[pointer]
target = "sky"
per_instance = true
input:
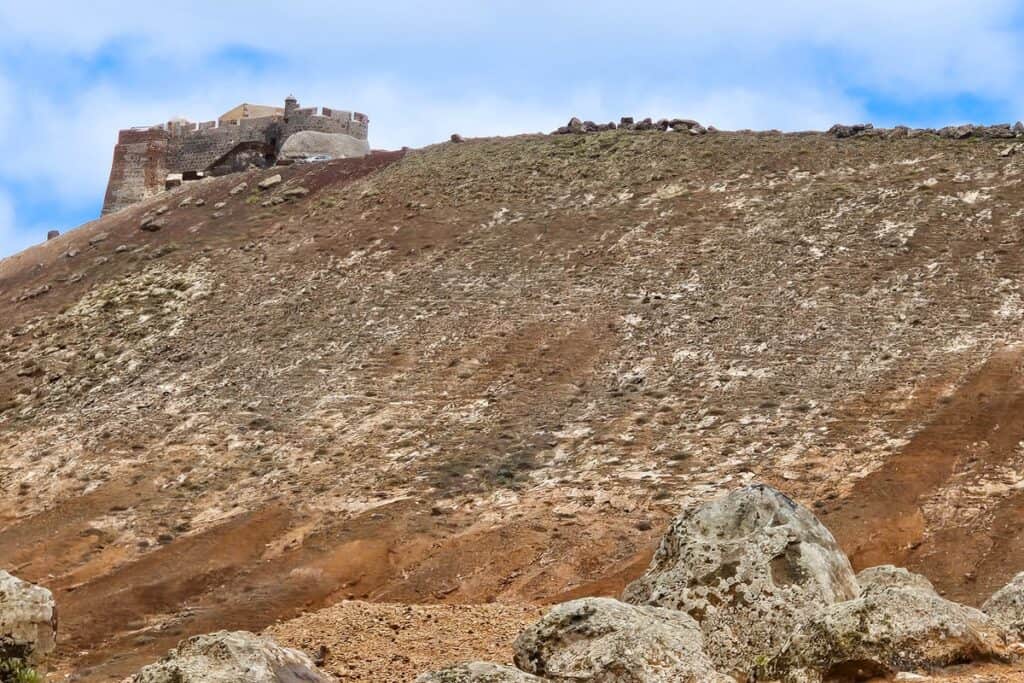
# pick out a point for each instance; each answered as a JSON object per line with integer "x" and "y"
{"x": 73, "y": 73}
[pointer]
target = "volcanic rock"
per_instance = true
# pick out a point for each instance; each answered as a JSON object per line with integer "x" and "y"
{"x": 268, "y": 183}
{"x": 748, "y": 567}
{"x": 1007, "y": 606}
{"x": 600, "y": 639}
{"x": 28, "y": 621}
{"x": 230, "y": 657}
{"x": 886, "y": 630}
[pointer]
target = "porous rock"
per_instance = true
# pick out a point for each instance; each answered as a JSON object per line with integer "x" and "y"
{"x": 28, "y": 621}
{"x": 889, "y": 576}
{"x": 603, "y": 640}
{"x": 1007, "y": 606}
{"x": 748, "y": 567}
{"x": 229, "y": 657}
{"x": 888, "y": 629}
{"x": 478, "y": 672}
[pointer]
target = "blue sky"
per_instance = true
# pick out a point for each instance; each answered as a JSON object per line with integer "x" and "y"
{"x": 73, "y": 73}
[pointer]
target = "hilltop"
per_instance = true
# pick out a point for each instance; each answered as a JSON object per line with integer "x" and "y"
{"x": 492, "y": 370}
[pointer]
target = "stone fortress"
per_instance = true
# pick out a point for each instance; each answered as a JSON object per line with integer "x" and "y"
{"x": 147, "y": 159}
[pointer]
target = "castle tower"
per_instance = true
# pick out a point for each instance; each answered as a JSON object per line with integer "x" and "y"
{"x": 290, "y": 105}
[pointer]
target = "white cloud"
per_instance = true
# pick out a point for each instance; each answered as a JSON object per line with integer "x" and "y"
{"x": 12, "y": 238}
{"x": 422, "y": 71}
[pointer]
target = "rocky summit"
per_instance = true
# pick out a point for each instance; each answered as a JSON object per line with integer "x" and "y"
{"x": 414, "y": 399}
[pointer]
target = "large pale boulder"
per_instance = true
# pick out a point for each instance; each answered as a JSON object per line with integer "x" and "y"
{"x": 478, "y": 672}
{"x": 1007, "y": 606}
{"x": 888, "y": 629}
{"x": 748, "y": 567}
{"x": 601, "y": 640}
{"x": 230, "y": 657}
{"x": 28, "y": 621}
{"x": 308, "y": 143}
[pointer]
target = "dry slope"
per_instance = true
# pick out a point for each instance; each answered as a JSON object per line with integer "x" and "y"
{"x": 487, "y": 370}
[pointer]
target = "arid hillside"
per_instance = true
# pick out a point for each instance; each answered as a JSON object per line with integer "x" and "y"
{"x": 492, "y": 370}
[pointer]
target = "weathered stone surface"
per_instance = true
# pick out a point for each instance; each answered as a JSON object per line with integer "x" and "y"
{"x": 230, "y": 657}
{"x": 267, "y": 183}
{"x": 295, "y": 192}
{"x": 842, "y": 131}
{"x": 886, "y": 630}
{"x": 1007, "y": 606}
{"x": 28, "y": 621}
{"x": 51, "y": 234}
{"x": 889, "y": 576}
{"x": 152, "y": 224}
{"x": 240, "y": 187}
{"x": 478, "y": 672}
{"x": 309, "y": 143}
{"x": 748, "y": 567}
{"x": 600, "y": 639}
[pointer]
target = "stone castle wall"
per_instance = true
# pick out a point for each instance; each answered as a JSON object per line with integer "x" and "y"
{"x": 144, "y": 157}
{"x": 138, "y": 169}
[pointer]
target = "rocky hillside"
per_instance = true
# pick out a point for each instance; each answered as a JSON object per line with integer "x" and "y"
{"x": 492, "y": 370}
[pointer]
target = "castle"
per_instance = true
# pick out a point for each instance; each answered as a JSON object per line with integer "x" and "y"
{"x": 244, "y": 136}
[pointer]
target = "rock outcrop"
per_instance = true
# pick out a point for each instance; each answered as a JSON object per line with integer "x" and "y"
{"x": 897, "y": 624}
{"x": 748, "y": 567}
{"x": 604, "y": 640}
{"x": 309, "y": 143}
{"x": 478, "y": 672}
{"x": 230, "y": 657}
{"x": 1007, "y": 606}
{"x": 28, "y": 621}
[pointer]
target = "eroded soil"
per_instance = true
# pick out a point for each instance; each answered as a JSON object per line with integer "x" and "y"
{"x": 494, "y": 370}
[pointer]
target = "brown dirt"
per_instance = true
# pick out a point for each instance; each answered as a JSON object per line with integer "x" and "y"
{"x": 389, "y": 643}
{"x": 494, "y": 370}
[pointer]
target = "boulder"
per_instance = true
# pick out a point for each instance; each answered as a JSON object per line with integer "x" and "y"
{"x": 575, "y": 125}
{"x": 28, "y": 621}
{"x": 229, "y": 657}
{"x": 52, "y": 234}
{"x": 888, "y": 629}
{"x": 478, "y": 672}
{"x": 748, "y": 567}
{"x": 1006, "y": 606}
{"x": 604, "y": 641}
{"x": 152, "y": 224}
{"x": 270, "y": 182}
{"x": 889, "y": 576}
{"x": 309, "y": 143}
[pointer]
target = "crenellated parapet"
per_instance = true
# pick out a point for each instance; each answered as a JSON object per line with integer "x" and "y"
{"x": 144, "y": 156}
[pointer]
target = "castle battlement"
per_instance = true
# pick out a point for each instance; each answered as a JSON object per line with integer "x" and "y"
{"x": 143, "y": 157}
